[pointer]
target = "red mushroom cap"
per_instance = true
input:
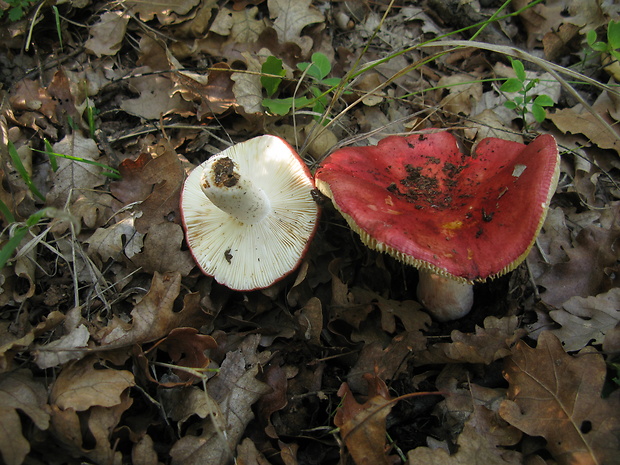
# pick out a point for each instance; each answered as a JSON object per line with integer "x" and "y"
{"x": 419, "y": 199}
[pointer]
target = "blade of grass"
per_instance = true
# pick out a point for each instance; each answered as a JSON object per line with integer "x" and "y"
{"x": 108, "y": 170}
{"x": 6, "y": 212}
{"x": 17, "y": 163}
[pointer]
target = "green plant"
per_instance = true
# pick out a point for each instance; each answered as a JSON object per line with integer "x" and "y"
{"x": 612, "y": 46}
{"x": 17, "y": 9}
{"x": 18, "y": 232}
{"x": 317, "y": 70}
{"x": 525, "y": 102}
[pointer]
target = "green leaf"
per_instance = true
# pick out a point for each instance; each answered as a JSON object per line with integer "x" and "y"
{"x": 331, "y": 82}
{"x": 539, "y": 113}
{"x": 319, "y": 68}
{"x": 511, "y": 85}
{"x": 272, "y": 65}
{"x": 591, "y": 37}
{"x": 613, "y": 35}
{"x": 519, "y": 70}
{"x": 599, "y": 46}
{"x": 282, "y": 106}
{"x": 16, "y": 13}
{"x": 544, "y": 101}
{"x": 510, "y": 105}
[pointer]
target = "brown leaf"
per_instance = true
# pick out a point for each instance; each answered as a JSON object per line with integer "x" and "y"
{"x": 30, "y": 96}
{"x": 557, "y": 396}
{"x": 235, "y": 389}
{"x": 153, "y": 317}
{"x": 291, "y": 17}
{"x": 81, "y": 385}
{"x": 586, "y": 320}
{"x": 18, "y": 391}
{"x": 107, "y": 34}
{"x": 362, "y": 426}
{"x": 474, "y": 448}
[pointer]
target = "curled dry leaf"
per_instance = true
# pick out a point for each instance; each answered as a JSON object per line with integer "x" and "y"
{"x": 557, "y": 396}
{"x": 107, "y": 35}
{"x": 19, "y": 391}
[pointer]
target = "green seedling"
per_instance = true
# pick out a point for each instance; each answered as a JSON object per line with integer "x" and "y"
{"x": 17, "y": 9}
{"x": 317, "y": 70}
{"x": 525, "y": 102}
{"x": 612, "y": 46}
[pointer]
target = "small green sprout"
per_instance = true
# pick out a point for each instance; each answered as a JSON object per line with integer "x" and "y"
{"x": 317, "y": 70}
{"x": 525, "y": 102}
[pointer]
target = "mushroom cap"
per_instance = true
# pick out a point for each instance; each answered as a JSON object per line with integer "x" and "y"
{"x": 419, "y": 199}
{"x": 245, "y": 256}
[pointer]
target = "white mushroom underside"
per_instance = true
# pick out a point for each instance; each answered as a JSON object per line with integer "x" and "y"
{"x": 252, "y": 256}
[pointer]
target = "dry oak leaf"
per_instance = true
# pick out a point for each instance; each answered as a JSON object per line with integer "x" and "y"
{"x": 156, "y": 98}
{"x": 557, "y": 396}
{"x": 291, "y": 16}
{"x": 246, "y": 28}
{"x": 62, "y": 350}
{"x": 154, "y": 317}
{"x": 19, "y": 391}
{"x": 235, "y": 389}
{"x": 107, "y": 35}
{"x": 28, "y": 95}
{"x": 167, "y": 12}
{"x": 74, "y": 175}
{"x": 363, "y": 426}
{"x": 114, "y": 240}
{"x": 473, "y": 449}
{"x": 80, "y": 386}
{"x": 587, "y": 319}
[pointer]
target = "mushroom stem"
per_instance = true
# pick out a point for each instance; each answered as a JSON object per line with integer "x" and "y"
{"x": 232, "y": 192}
{"x": 446, "y": 299}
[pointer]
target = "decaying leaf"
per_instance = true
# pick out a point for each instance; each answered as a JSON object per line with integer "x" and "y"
{"x": 235, "y": 389}
{"x": 20, "y": 392}
{"x": 153, "y": 317}
{"x": 586, "y": 320}
{"x": 557, "y": 396}
{"x": 291, "y": 16}
{"x": 107, "y": 35}
{"x": 362, "y": 426}
{"x": 473, "y": 448}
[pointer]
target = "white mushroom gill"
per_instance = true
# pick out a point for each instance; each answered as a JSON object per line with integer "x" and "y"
{"x": 232, "y": 192}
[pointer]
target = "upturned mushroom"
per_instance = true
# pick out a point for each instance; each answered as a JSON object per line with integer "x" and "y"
{"x": 249, "y": 214}
{"x": 459, "y": 218}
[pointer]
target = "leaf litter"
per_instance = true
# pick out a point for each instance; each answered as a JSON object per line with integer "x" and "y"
{"x": 115, "y": 349}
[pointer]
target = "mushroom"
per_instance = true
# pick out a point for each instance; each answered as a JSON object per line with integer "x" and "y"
{"x": 249, "y": 214}
{"x": 457, "y": 218}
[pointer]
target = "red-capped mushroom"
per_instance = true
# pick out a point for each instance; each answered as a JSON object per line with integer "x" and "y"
{"x": 249, "y": 214}
{"x": 458, "y": 218}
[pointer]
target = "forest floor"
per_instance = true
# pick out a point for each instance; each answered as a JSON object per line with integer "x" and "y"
{"x": 115, "y": 348}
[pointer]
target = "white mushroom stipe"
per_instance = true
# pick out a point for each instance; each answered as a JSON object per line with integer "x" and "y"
{"x": 444, "y": 298}
{"x": 232, "y": 192}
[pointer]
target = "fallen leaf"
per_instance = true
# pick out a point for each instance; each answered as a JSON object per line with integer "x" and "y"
{"x": 106, "y": 36}
{"x": 291, "y": 16}
{"x": 117, "y": 239}
{"x": 73, "y": 177}
{"x": 169, "y": 12}
{"x": 586, "y": 320}
{"x": 154, "y": 316}
{"x": 80, "y": 386}
{"x": 473, "y": 448}
{"x": 235, "y": 390}
{"x": 63, "y": 349}
{"x": 363, "y": 426}
{"x": 19, "y": 391}
{"x": 557, "y": 396}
